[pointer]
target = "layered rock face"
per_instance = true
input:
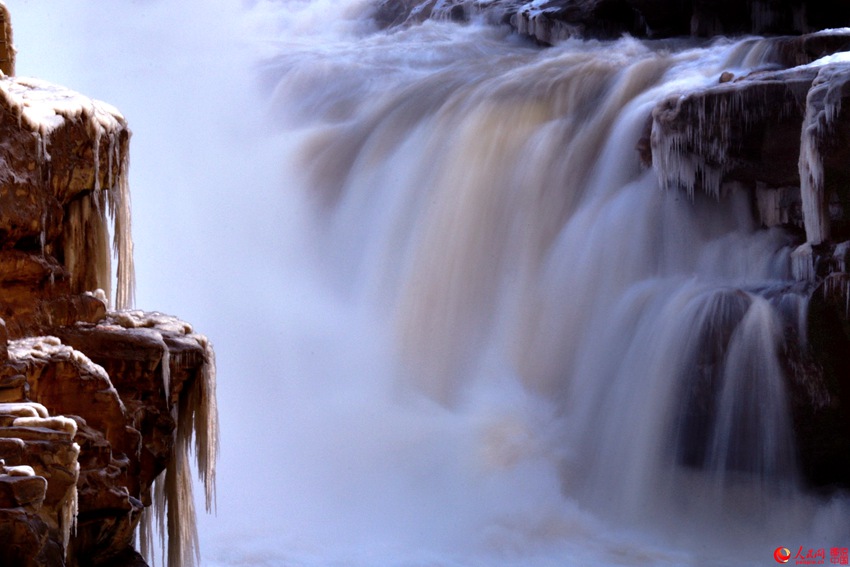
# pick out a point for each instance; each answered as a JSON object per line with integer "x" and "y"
{"x": 98, "y": 403}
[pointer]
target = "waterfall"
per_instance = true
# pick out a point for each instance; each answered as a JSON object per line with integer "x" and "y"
{"x": 457, "y": 321}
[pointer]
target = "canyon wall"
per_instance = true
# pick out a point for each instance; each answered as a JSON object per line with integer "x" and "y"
{"x": 99, "y": 403}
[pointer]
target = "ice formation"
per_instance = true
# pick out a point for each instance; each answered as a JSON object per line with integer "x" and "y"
{"x": 21, "y": 470}
{"x": 196, "y": 415}
{"x": 689, "y": 158}
{"x": 44, "y": 107}
{"x": 837, "y": 284}
{"x": 23, "y": 409}
{"x": 58, "y": 423}
{"x": 31, "y": 414}
{"x": 823, "y": 105}
{"x": 802, "y": 263}
{"x": 841, "y": 253}
{"x": 697, "y": 156}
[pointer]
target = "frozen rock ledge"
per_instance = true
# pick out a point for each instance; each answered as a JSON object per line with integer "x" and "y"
{"x": 101, "y": 406}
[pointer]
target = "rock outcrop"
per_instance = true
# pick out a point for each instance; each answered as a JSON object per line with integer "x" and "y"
{"x": 549, "y": 21}
{"x": 782, "y": 137}
{"x": 98, "y": 403}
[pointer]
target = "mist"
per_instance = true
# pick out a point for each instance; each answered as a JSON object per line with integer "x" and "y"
{"x": 278, "y": 195}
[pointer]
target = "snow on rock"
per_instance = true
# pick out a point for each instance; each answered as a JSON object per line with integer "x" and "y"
{"x": 153, "y": 352}
{"x": 43, "y": 107}
{"x": 196, "y": 415}
{"x": 95, "y": 405}
{"x": 25, "y": 409}
{"x": 22, "y": 470}
{"x": 31, "y": 448}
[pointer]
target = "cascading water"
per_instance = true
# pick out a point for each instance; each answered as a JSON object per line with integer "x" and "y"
{"x": 471, "y": 328}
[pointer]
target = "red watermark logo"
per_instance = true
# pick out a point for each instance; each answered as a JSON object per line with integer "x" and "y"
{"x": 837, "y": 556}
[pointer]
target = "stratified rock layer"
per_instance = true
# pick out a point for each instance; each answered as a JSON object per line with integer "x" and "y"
{"x": 98, "y": 404}
{"x": 63, "y": 172}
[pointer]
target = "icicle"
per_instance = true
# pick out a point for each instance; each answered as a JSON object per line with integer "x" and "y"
{"x": 146, "y": 531}
{"x": 205, "y": 424}
{"x": 841, "y": 253}
{"x": 174, "y": 511}
{"x": 802, "y": 263}
{"x": 696, "y": 156}
{"x": 183, "y": 544}
{"x": 823, "y": 105}
{"x": 42, "y": 235}
{"x": 195, "y": 414}
{"x": 44, "y": 140}
{"x": 773, "y": 205}
{"x": 119, "y": 207}
{"x": 815, "y": 209}
{"x": 70, "y": 508}
{"x": 86, "y": 245}
{"x": 838, "y": 286}
{"x": 165, "y": 363}
{"x": 110, "y": 161}
{"x": 96, "y": 157}
{"x": 160, "y": 503}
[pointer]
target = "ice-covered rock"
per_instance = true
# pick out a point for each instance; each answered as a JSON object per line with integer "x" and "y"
{"x": 63, "y": 190}
{"x": 95, "y": 405}
{"x": 781, "y": 135}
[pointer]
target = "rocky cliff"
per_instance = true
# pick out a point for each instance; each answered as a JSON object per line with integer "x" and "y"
{"x": 98, "y": 403}
{"x": 781, "y": 135}
{"x": 778, "y": 134}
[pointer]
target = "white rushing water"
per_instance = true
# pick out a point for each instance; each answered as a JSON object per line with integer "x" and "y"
{"x": 456, "y": 322}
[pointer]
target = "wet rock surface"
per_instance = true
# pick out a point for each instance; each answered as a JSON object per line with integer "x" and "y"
{"x": 781, "y": 138}
{"x": 550, "y": 21}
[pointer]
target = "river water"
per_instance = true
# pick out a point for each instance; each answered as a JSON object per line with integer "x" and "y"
{"x": 457, "y": 322}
